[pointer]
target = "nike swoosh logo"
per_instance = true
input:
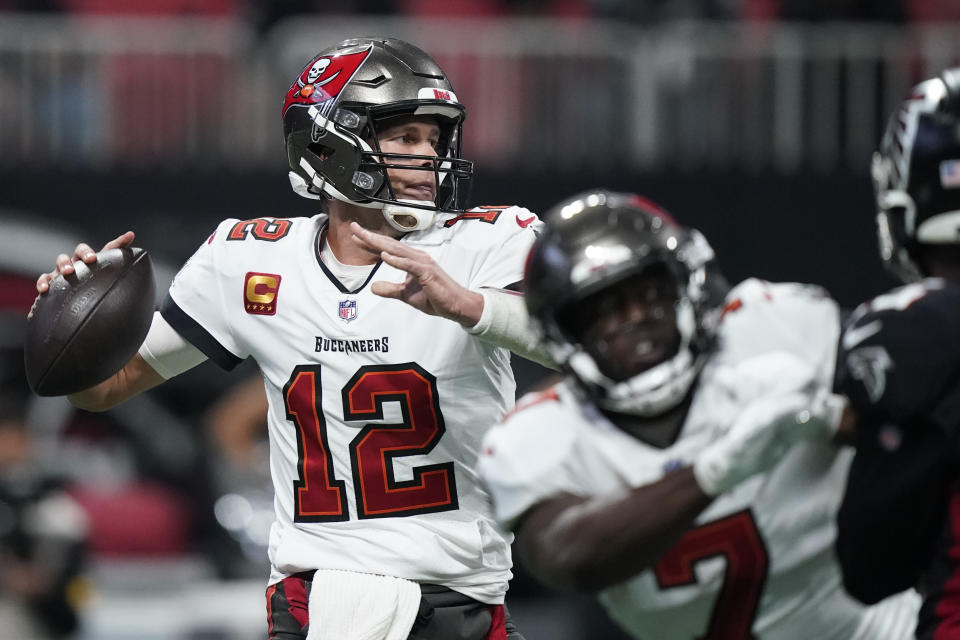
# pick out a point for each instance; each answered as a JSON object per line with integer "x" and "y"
{"x": 524, "y": 223}
{"x": 853, "y": 337}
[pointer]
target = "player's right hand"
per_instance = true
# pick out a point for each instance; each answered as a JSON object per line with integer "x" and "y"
{"x": 763, "y": 433}
{"x": 783, "y": 402}
{"x": 83, "y": 251}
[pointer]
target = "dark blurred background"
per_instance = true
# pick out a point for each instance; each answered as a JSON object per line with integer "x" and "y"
{"x": 753, "y": 120}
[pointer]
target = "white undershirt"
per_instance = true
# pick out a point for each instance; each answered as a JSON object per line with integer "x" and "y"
{"x": 351, "y": 276}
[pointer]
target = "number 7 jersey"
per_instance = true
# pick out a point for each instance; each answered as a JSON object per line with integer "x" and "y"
{"x": 376, "y": 410}
{"x": 758, "y": 564}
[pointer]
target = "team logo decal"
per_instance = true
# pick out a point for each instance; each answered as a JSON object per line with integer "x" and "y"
{"x": 260, "y": 291}
{"x": 870, "y": 365}
{"x": 348, "y": 310}
{"x": 323, "y": 79}
{"x": 317, "y": 69}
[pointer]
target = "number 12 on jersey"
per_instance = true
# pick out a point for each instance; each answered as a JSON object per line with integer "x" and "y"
{"x": 318, "y": 496}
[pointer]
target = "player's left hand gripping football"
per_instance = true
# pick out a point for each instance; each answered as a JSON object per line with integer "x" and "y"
{"x": 83, "y": 252}
{"x": 427, "y": 287}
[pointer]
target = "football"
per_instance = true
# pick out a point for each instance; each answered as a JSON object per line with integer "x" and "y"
{"x": 89, "y": 324}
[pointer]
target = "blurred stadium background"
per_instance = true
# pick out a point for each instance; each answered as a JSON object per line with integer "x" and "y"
{"x": 753, "y": 120}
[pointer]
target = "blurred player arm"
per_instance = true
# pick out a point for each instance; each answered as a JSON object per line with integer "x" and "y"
{"x": 588, "y": 543}
{"x": 585, "y": 544}
{"x": 238, "y": 419}
{"x": 893, "y": 509}
{"x": 847, "y": 428}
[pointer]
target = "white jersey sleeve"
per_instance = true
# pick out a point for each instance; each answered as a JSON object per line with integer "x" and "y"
{"x": 199, "y": 306}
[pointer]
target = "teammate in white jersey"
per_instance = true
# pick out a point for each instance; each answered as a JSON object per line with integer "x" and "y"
{"x": 685, "y": 468}
{"x": 381, "y": 327}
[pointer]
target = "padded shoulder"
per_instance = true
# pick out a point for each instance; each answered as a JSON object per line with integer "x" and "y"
{"x": 800, "y": 319}
{"x": 492, "y": 223}
{"x": 901, "y": 352}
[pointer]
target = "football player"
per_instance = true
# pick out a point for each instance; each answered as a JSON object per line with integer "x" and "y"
{"x": 685, "y": 469}
{"x": 899, "y": 523}
{"x": 381, "y": 327}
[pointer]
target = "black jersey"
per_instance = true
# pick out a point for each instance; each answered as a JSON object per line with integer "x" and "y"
{"x": 899, "y": 524}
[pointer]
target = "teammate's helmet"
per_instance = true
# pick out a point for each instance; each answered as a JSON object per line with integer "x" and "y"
{"x": 333, "y": 110}
{"x": 597, "y": 240}
{"x": 916, "y": 175}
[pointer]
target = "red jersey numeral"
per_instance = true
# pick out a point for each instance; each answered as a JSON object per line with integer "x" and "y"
{"x": 261, "y": 229}
{"x": 319, "y": 496}
{"x": 737, "y": 539}
{"x": 379, "y": 494}
{"x": 488, "y": 214}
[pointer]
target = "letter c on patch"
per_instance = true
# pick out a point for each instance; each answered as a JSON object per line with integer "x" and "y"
{"x": 260, "y": 291}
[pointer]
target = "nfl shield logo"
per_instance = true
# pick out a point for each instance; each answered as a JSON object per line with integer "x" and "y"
{"x": 348, "y": 310}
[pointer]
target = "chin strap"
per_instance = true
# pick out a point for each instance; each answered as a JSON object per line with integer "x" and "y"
{"x": 401, "y": 217}
{"x": 300, "y": 187}
{"x": 406, "y": 218}
{"x": 656, "y": 390}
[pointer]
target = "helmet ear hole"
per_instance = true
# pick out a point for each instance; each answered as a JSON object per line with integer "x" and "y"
{"x": 322, "y": 152}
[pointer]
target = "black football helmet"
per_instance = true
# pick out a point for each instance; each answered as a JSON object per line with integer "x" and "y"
{"x": 597, "y": 240}
{"x": 333, "y": 110}
{"x": 916, "y": 175}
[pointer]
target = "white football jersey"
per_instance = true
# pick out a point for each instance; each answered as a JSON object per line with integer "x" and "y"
{"x": 376, "y": 410}
{"x": 760, "y": 559}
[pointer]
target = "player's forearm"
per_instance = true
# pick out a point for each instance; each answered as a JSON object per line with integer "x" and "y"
{"x": 892, "y": 510}
{"x": 95, "y": 398}
{"x": 135, "y": 377}
{"x": 864, "y": 536}
{"x": 589, "y": 544}
{"x": 469, "y": 309}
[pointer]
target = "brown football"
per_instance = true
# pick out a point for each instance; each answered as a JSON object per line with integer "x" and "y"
{"x": 89, "y": 324}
